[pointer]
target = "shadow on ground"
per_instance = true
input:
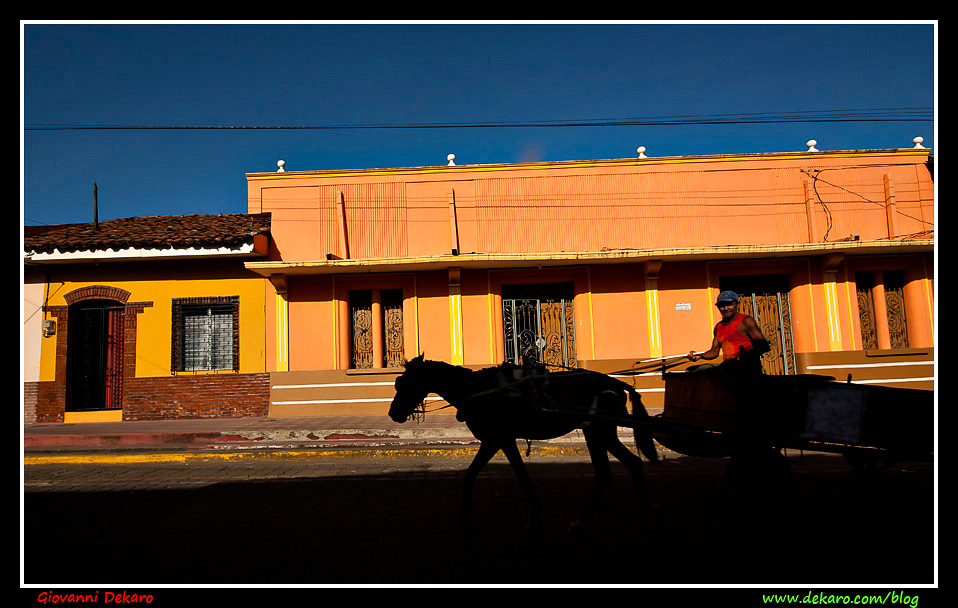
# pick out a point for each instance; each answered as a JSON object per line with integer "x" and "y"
{"x": 401, "y": 529}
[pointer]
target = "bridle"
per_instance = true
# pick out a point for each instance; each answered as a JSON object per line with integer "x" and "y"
{"x": 418, "y": 412}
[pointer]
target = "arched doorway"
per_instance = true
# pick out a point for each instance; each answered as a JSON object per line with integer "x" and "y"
{"x": 95, "y": 356}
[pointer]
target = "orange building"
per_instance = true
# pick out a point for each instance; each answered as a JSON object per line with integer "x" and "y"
{"x": 595, "y": 264}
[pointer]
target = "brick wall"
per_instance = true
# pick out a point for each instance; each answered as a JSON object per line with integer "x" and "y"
{"x": 169, "y": 398}
{"x": 50, "y": 399}
{"x": 30, "y": 390}
{"x": 196, "y": 396}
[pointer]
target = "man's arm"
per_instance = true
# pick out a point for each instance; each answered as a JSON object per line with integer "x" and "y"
{"x": 754, "y": 333}
{"x": 710, "y": 353}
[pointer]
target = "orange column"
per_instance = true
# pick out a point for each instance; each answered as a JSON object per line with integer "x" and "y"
{"x": 881, "y": 310}
{"x": 377, "y": 311}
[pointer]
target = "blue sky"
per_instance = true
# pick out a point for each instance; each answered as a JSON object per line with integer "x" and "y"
{"x": 365, "y": 75}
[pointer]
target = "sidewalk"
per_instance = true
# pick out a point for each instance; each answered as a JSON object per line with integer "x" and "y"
{"x": 244, "y": 433}
{"x": 260, "y": 433}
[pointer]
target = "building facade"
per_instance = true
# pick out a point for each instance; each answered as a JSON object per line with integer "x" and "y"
{"x": 595, "y": 264}
{"x": 145, "y": 318}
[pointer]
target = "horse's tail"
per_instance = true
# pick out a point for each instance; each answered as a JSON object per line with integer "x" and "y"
{"x": 642, "y": 430}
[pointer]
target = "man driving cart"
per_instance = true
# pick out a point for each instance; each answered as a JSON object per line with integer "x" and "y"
{"x": 737, "y": 337}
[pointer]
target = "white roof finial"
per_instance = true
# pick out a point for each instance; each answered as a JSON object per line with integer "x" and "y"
{"x": 811, "y": 145}
{"x": 452, "y": 159}
{"x": 917, "y": 141}
{"x": 282, "y": 166}
{"x": 641, "y": 151}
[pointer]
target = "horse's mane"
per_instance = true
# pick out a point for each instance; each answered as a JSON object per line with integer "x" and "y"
{"x": 437, "y": 367}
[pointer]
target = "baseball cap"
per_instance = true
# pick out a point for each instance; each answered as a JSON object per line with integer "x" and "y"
{"x": 727, "y": 296}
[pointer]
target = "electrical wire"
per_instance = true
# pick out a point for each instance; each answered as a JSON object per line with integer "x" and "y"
{"x": 816, "y": 178}
{"x": 820, "y": 116}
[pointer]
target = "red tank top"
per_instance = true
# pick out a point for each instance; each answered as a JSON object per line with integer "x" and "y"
{"x": 733, "y": 343}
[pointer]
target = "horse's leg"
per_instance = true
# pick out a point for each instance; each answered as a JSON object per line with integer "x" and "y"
{"x": 485, "y": 453}
{"x": 511, "y": 451}
{"x": 597, "y": 440}
{"x": 641, "y": 431}
{"x": 633, "y": 464}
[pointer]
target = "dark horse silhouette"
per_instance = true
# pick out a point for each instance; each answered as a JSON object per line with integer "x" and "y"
{"x": 499, "y": 409}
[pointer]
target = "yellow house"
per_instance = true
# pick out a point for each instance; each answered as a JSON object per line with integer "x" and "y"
{"x": 595, "y": 264}
{"x": 145, "y": 318}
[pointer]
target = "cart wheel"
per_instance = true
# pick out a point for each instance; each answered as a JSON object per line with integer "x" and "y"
{"x": 761, "y": 473}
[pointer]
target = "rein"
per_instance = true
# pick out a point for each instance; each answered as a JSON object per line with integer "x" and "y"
{"x": 651, "y": 365}
{"x": 419, "y": 412}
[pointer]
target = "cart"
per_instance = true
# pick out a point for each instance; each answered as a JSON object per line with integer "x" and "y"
{"x": 714, "y": 414}
{"x": 874, "y": 427}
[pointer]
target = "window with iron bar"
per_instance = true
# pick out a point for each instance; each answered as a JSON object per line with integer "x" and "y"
{"x": 206, "y": 334}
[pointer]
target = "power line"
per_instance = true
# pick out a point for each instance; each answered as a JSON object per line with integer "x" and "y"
{"x": 818, "y": 116}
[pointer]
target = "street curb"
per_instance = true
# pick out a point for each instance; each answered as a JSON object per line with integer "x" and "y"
{"x": 298, "y": 454}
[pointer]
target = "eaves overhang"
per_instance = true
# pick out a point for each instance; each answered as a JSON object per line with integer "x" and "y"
{"x": 491, "y": 261}
{"x": 257, "y": 247}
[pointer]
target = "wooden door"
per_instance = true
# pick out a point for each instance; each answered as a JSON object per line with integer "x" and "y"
{"x": 95, "y": 357}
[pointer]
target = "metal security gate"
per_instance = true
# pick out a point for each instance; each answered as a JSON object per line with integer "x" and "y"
{"x": 95, "y": 357}
{"x": 766, "y": 300}
{"x": 361, "y": 327}
{"x": 364, "y": 342}
{"x": 539, "y": 329}
{"x": 893, "y": 287}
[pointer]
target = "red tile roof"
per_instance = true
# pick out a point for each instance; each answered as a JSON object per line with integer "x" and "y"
{"x": 157, "y": 232}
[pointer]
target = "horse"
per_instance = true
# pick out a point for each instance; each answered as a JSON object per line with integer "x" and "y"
{"x": 498, "y": 409}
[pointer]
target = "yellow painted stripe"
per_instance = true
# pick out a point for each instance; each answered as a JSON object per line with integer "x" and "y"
{"x": 831, "y": 311}
{"x": 415, "y": 311}
{"x": 181, "y": 457}
{"x": 652, "y": 298}
{"x": 930, "y": 300}
{"x": 455, "y": 323}
{"x": 282, "y": 333}
{"x": 351, "y": 453}
{"x": 588, "y": 275}
{"x": 465, "y": 452}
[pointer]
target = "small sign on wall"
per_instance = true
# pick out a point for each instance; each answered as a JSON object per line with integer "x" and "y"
{"x": 683, "y": 306}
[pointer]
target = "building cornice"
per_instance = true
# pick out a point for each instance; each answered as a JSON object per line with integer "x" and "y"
{"x": 589, "y": 164}
{"x": 545, "y": 260}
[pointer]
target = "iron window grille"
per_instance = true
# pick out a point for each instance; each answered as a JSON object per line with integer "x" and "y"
{"x": 206, "y": 334}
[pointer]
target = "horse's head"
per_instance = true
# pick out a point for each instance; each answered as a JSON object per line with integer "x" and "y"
{"x": 410, "y": 392}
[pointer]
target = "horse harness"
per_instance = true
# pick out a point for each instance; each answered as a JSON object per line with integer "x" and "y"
{"x": 516, "y": 382}
{"x": 534, "y": 383}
